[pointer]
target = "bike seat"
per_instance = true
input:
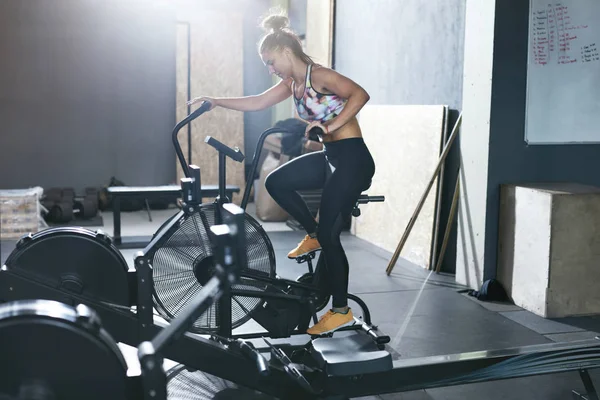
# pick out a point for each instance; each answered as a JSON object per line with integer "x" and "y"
{"x": 350, "y": 355}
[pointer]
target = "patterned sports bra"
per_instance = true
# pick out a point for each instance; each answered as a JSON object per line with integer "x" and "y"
{"x": 315, "y": 106}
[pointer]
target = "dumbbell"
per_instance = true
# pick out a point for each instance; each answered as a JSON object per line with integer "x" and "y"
{"x": 65, "y": 211}
{"x": 61, "y": 211}
{"x": 57, "y": 195}
{"x": 86, "y": 208}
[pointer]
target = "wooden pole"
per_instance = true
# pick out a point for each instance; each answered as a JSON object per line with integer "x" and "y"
{"x": 449, "y": 224}
{"x": 413, "y": 219}
{"x": 434, "y": 256}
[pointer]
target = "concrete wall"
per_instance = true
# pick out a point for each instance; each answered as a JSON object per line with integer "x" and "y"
{"x": 87, "y": 93}
{"x": 407, "y": 52}
{"x": 403, "y": 51}
{"x": 256, "y": 76}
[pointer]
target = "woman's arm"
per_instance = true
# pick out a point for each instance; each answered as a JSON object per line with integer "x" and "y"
{"x": 268, "y": 98}
{"x": 331, "y": 81}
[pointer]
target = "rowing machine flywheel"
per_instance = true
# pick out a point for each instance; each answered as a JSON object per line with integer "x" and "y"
{"x": 75, "y": 260}
{"x": 183, "y": 261}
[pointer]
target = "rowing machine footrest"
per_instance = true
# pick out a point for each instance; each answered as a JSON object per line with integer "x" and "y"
{"x": 350, "y": 355}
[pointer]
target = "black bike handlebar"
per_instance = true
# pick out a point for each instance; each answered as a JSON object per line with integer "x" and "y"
{"x": 201, "y": 110}
{"x": 259, "y": 146}
{"x": 235, "y": 154}
{"x": 205, "y": 106}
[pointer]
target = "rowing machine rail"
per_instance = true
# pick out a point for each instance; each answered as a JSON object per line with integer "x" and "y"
{"x": 406, "y": 375}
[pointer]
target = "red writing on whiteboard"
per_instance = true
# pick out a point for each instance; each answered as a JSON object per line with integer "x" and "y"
{"x": 553, "y": 34}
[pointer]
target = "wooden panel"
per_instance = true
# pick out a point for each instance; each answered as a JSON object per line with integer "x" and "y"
{"x": 216, "y": 70}
{"x": 319, "y": 30}
{"x": 405, "y": 142}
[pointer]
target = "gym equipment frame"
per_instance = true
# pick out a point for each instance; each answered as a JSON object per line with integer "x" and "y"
{"x": 215, "y": 358}
{"x": 336, "y": 369}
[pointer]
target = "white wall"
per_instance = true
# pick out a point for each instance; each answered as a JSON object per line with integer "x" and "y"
{"x": 474, "y": 141}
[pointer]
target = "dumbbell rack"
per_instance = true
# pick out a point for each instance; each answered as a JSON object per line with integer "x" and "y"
{"x": 63, "y": 205}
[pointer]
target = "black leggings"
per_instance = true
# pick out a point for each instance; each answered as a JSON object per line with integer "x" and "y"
{"x": 354, "y": 168}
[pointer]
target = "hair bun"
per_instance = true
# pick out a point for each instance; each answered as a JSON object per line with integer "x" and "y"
{"x": 275, "y": 23}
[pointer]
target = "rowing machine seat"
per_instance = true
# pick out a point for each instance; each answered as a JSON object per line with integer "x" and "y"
{"x": 354, "y": 354}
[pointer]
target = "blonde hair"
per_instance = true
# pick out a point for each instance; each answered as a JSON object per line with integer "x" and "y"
{"x": 278, "y": 35}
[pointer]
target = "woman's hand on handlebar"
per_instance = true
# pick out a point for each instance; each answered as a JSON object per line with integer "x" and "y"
{"x": 316, "y": 124}
{"x": 195, "y": 100}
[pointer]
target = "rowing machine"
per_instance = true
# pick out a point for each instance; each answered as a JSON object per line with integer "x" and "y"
{"x": 345, "y": 366}
{"x": 338, "y": 367}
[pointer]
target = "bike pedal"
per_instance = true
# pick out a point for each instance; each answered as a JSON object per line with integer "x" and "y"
{"x": 352, "y": 327}
{"x": 322, "y": 336}
{"x": 306, "y": 257}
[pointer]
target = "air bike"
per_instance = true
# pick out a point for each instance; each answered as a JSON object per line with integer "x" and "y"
{"x": 69, "y": 297}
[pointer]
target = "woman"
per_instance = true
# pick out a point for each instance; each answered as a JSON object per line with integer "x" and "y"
{"x": 344, "y": 169}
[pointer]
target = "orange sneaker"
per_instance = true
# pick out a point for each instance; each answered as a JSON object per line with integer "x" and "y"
{"x": 331, "y": 321}
{"x": 307, "y": 245}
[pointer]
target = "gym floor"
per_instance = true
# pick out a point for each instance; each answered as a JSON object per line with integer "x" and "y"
{"x": 424, "y": 314}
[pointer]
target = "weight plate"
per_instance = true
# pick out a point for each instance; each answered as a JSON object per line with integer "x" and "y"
{"x": 93, "y": 199}
{"x": 90, "y": 209}
{"x": 53, "y": 195}
{"x": 61, "y": 212}
{"x": 65, "y": 211}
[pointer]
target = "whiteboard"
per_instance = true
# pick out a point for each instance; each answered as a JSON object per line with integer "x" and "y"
{"x": 563, "y": 72}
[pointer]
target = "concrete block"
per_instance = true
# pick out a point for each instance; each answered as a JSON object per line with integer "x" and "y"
{"x": 549, "y": 248}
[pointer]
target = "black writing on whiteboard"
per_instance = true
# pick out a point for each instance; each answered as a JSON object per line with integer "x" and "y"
{"x": 590, "y": 53}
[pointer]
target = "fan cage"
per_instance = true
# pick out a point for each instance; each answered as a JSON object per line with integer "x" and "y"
{"x": 187, "y": 254}
{"x": 187, "y": 384}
